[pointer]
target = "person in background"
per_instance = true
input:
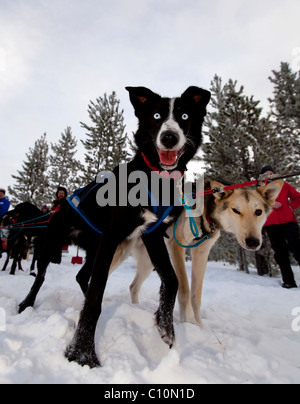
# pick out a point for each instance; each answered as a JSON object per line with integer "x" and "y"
{"x": 45, "y": 209}
{"x": 61, "y": 196}
{"x": 283, "y": 230}
{"x": 4, "y": 203}
{"x": 4, "y": 207}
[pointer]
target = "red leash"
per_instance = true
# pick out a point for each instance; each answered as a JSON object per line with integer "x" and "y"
{"x": 262, "y": 181}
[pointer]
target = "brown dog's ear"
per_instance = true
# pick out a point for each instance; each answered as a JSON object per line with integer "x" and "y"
{"x": 215, "y": 185}
{"x": 271, "y": 191}
{"x": 140, "y": 96}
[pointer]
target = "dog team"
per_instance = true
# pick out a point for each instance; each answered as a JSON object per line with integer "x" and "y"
{"x": 136, "y": 218}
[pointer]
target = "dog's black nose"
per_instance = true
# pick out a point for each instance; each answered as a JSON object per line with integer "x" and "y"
{"x": 169, "y": 139}
{"x": 252, "y": 243}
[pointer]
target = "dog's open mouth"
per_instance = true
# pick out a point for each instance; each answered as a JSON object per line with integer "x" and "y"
{"x": 169, "y": 158}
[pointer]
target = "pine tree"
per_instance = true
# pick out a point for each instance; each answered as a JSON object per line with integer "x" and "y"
{"x": 285, "y": 105}
{"x": 285, "y": 110}
{"x": 106, "y": 141}
{"x": 269, "y": 148}
{"x": 65, "y": 169}
{"x": 241, "y": 141}
{"x": 32, "y": 183}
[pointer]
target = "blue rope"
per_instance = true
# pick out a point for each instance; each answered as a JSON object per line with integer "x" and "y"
{"x": 187, "y": 206}
{"x": 203, "y": 239}
{"x": 19, "y": 227}
{"x": 28, "y": 227}
{"x": 193, "y": 226}
{"x": 10, "y": 226}
{"x": 2, "y": 236}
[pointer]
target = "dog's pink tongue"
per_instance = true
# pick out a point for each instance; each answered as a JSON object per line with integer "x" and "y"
{"x": 168, "y": 158}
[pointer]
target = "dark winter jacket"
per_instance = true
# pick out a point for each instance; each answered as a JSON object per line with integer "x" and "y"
{"x": 290, "y": 201}
{"x": 4, "y": 206}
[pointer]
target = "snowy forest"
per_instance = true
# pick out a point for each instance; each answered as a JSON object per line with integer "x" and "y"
{"x": 240, "y": 138}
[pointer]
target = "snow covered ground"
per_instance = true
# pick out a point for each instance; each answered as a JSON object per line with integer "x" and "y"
{"x": 248, "y": 335}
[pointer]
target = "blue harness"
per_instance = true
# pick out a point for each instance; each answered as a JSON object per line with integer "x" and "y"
{"x": 81, "y": 198}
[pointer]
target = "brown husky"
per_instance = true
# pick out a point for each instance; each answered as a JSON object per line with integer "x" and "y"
{"x": 242, "y": 212}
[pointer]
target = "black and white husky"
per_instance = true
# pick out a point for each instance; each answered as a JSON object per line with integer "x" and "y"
{"x": 168, "y": 137}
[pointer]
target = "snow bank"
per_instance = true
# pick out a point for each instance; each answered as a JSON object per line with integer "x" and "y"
{"x": 248, "y": 335}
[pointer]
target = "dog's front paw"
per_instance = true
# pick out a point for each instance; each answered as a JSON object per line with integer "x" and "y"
{"x": 82, "y": 356}
{"x": 166, "y": 330}
{"x": 25, "y": 304}
{"x": 167, "y": 337}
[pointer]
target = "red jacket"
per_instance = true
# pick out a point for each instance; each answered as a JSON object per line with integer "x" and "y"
{"x": 290, "y": 201}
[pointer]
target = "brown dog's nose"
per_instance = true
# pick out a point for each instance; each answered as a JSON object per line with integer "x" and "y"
{"x": 252, "y": 243}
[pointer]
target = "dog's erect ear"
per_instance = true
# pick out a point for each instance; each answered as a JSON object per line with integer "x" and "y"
{"x": 198, "y": 95}
{"x": 140, "y": 96}
{"x": 271, "y": 191}
{"x": 219, "y": 195}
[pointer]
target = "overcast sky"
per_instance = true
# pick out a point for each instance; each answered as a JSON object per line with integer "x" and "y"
{"x": 57, "y": 55}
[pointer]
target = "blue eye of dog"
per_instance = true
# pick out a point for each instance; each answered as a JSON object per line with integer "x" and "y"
{"x": 157, "y": 116}
{"x": 258, "y": 212}
{"x": 236, "y": 211}
{"x": 185, "y": 117}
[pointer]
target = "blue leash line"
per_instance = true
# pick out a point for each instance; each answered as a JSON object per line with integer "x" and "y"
{"x": 203, "y": 239}
{"x": 28, "y": 221}
{"x": 193, "y": 226}
{"x": 20, "y": 228}
{"x": 2, "y": 235}
{"x": 27, "y": 227}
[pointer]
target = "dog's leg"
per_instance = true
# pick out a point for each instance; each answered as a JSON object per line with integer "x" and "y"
{"x": 6, "y": 263}
{"x": 184, "y": 295}
{"x": 37, "y": 247}
{"x": 144, "y": 268}
{"x": 14, "y": 266}
{"x": 84, "y": 275}
{"x": 158, "y": 253}
{"x": 82, "y": 347}
{"x": 19, "y": 262}
{"x": 9, "y": 250}
{"x": 123, "y": 252}
{"x": 198, "y": 272}
{"x": 52, "y": 244}
{"x": 200, "y": 257}
{"x": 16, "y": 254}
{"x": 34, "y": 259}
{"x": 39, "y": 280}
